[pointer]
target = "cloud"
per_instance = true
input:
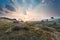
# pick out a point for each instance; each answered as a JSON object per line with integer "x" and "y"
{"x": 9, "y": 7}
{"x": 5, "y": 7}
{"x": 29, "y": 9}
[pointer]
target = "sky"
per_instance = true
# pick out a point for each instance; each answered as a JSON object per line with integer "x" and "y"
{"x": 33, "y": 10}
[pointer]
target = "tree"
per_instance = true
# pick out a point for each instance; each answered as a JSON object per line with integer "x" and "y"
{"x": 47, "y": 20}
{"x": 52, "y": 17}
